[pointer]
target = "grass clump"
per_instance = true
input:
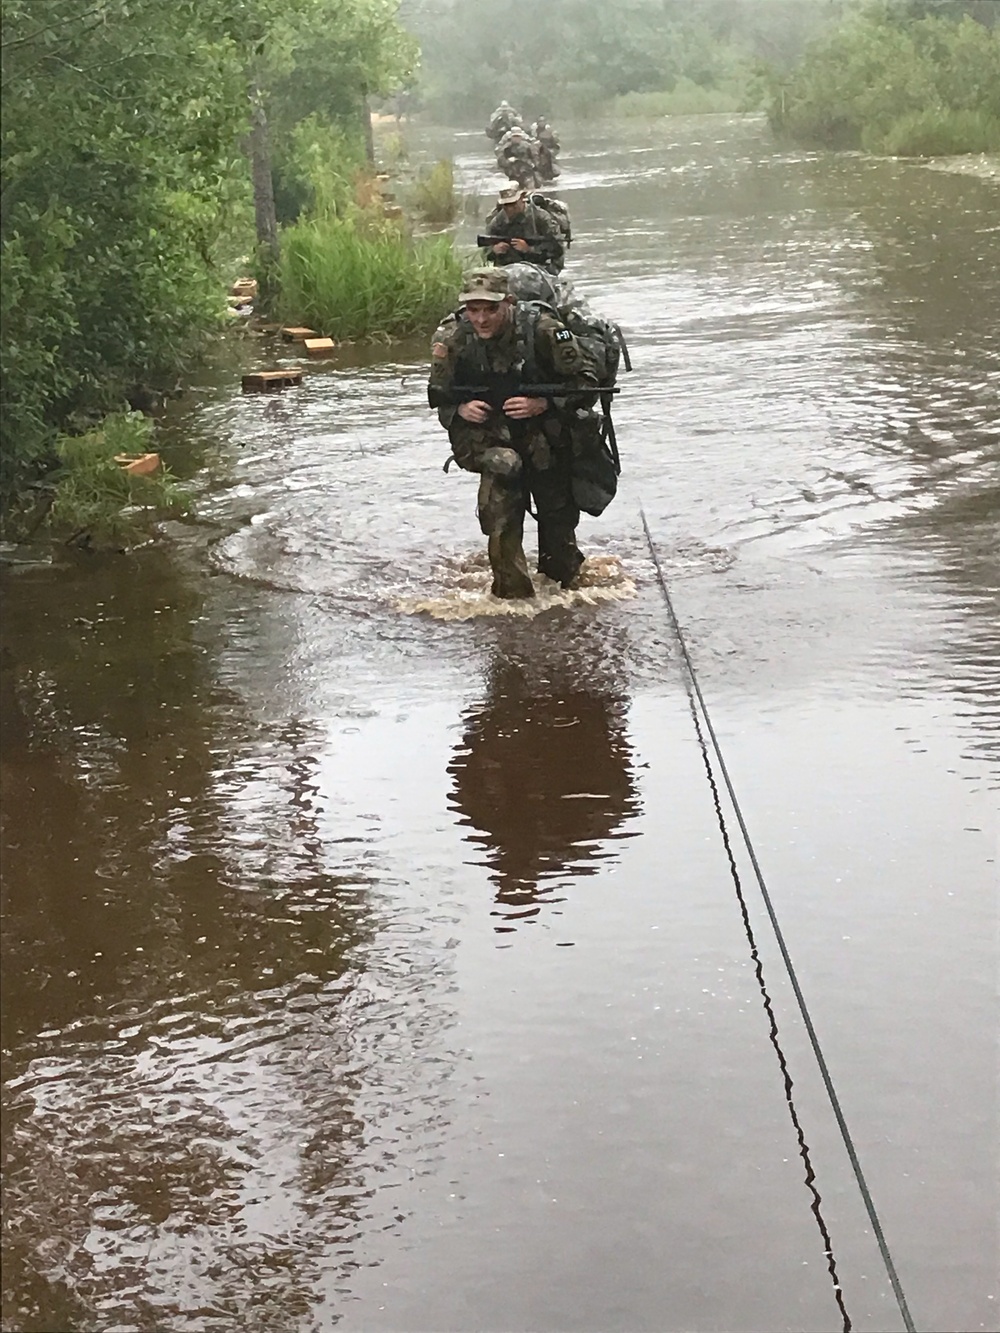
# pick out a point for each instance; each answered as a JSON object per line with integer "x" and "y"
{"x": 95, "y": 501}
{"x": 686, "y": 98}
{"x": 937, "y": 132}
{"x": 434, "y": 193}
{"x": 352, "y": 278}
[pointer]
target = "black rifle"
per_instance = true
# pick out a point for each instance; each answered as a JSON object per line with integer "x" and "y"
{"x": 487, "y": 242}
{"x": 496, "y": 395}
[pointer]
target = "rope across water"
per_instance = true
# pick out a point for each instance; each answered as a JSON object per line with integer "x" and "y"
{"x": 699, "y": 711}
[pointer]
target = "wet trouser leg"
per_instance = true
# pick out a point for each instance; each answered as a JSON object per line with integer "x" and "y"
{"x": 559, "y": 557}
{"x": 502, "y": 501}
{"x": 501, "y": 507}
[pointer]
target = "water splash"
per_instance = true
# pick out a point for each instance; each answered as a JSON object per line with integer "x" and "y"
{"x": 466, "y": 594}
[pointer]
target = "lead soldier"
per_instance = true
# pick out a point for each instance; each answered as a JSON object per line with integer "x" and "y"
{"x": 517, "y": 438}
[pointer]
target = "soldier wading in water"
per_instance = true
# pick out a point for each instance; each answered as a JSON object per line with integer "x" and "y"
{"x": 521, "y": 444}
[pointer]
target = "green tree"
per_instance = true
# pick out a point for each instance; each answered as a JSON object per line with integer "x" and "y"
{"x": 123, "y": 175}
{"x": 117, "y": 169}
{"x": 573, "y": 55}
{"x": 892, "y": 82}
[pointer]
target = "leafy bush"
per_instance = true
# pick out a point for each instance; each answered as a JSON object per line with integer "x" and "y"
{"x": 315, "y": 173}
{"x": 116, "y": 187}
{"x": 126, "y": 193}
{"x": 352, "y": 278}
{"x": 391, "y": 149}
{"x": 891, "y": 84}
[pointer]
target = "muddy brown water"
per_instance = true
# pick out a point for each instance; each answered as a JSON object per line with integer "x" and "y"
{"x": 372, "y": 961}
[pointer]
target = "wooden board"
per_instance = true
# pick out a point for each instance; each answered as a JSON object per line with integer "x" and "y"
{"x": 270, "y": 381}
{"x": 319, "y": 346}
{"x": 296, "y": 335}
{"x": 139, "y": 465}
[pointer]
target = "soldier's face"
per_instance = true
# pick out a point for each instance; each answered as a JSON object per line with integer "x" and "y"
{"x": 515, "y": 209}
{"x": 487, "y": 318}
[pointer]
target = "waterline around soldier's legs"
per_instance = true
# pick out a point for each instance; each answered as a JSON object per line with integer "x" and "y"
{"x": 501, "y": 508}
{"x": 559, "y": 557}
{"x": 507, "y": 560}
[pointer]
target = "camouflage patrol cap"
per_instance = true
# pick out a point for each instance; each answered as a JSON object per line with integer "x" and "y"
{"x": 484, "y": 284}
{"x": 511, "y": 194}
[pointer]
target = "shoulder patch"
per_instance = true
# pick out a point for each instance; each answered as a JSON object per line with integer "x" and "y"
{"x": 439, "y": 349}
{"x": 563, "y": 336}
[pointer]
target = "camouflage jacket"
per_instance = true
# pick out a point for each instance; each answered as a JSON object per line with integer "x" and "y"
{"x": 513, "y": 146}
{"x": 534, "y": 224}
{"x": 535, "y": 348}
{"x": 504, "y": 118}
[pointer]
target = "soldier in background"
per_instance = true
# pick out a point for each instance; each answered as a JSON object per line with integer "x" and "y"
{"x": 548, "y": 147}
{"x": 504, "y": 118}
{"x": 534, "y": 234}
{"x": 517, "y": 157}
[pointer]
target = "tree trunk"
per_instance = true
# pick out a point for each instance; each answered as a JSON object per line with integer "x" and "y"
{"x": 263, "y": 184}
{"x": 366, "y": 126}
{"x": 268, "y": 253}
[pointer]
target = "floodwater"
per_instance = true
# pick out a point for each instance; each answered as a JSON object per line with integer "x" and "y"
{"x": 373, "y": 958}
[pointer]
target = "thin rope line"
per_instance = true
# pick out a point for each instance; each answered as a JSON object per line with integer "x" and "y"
{"x": 831, "y": 1091}
{"x": 773, "y": 1035}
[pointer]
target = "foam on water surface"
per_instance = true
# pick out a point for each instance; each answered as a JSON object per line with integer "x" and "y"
{"x": 466, "y": 591}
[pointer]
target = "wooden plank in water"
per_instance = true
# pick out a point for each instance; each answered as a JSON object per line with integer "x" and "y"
{"x": 268, "y": 381}
{"x": 319, "y": 346}
{"x": 297, "y": 335}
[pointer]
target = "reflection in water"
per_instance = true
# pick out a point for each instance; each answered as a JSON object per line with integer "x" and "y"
{"x": 226, "y": 999}
{"x": 213, "y": 1021}
{"x": 543, "y": 775}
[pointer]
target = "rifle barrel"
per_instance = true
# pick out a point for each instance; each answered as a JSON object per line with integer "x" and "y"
{"x": 437, "y": 397}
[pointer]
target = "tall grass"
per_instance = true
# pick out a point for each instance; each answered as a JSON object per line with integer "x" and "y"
{"x": 936, "y": 132}
{"x": 348, "y": 279}
{"x": 686, "y": 98}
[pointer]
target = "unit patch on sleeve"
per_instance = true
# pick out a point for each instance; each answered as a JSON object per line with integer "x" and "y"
{"x": 563, "y": 336}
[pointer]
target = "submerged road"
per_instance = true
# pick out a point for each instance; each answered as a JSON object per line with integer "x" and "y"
{"x": 372, "y": 954}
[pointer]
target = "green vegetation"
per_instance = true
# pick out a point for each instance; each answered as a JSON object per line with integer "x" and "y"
{"x": 588, "y": 57}
{"x": 96, "y": 499}
{"x": 351, "y": 280}
{"x": 126, "y": 185}
{"x": 686, "y": 99}
{"x": 434, "y": 193}
{"x": 895, "y": 79}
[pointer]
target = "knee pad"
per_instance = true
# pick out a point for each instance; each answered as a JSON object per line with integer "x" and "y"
{"x": 505, "y": 463}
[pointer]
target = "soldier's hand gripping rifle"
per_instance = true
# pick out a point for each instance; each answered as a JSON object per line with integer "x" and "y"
{"x": 488, "y": 242}
{"x": 496, "y": 395}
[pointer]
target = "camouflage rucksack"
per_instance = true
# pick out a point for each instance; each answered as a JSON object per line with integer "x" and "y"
{"x": 596, "y": 464}
{"x": 556, "y": 209}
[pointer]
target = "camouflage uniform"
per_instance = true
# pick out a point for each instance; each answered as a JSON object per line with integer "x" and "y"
{"x": 548, "y": 147}
{"x": 518, "y": 459}
{"x": 517, "y": 157}
{"x": 536, "y": 225}
{"x": 504, "y": 118}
